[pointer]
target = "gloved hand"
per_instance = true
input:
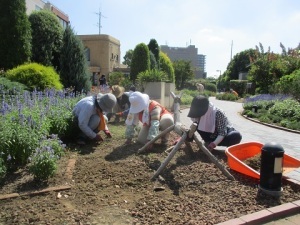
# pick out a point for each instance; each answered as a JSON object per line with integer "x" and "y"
{"x": 176, "y": 141}
{"x": 107, "y": 133}
{"x": 189, "y": 139}
{"x": 119, "y": 114}
{"x": 211, "y": 146}
{"x": 98, "y": 138}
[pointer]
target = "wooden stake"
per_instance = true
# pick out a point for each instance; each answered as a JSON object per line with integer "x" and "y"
{"x": 213, "y": 158}
{"x": 170, "y": 156}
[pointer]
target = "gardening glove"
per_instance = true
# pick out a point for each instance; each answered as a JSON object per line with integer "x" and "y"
{"x": 211, "y": 146}
{"x": 188, "y": 138}
{"x": 176, "y": 141}
{"x": 98, "y": 138}
{"x": 119, "y": 114}
{"x": 107, "y": 133}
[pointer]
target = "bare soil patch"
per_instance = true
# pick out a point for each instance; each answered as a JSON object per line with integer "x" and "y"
{"x": 111, "y": 185}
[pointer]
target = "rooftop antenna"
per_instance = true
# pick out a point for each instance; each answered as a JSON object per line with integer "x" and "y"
{"x": 99, "y": 23}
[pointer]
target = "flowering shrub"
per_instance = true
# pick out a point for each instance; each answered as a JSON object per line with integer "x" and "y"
{"x": 44, "y": 160}
{"x": 26, "y": 119}
{"x": 280, "y": 110}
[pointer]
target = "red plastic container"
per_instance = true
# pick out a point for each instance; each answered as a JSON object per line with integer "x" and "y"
{"x": 236, "y": 154}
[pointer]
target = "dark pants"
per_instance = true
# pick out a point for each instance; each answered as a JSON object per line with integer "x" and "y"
{"x": 233, "y": 137}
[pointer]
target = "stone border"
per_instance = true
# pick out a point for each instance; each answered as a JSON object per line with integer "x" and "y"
{"x": 68, "y": 174}
{"x": 266, "y": 215}
{"x": 270, "y": 125}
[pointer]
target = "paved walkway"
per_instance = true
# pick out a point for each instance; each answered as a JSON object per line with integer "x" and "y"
{"x": 257, "y": 132}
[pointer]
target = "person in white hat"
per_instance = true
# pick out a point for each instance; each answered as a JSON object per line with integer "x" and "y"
{"x": 151, "y": 114}
{"x": 90, "y": 114}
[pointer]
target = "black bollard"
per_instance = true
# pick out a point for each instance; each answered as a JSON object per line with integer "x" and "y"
{"x": 254, "y": 108}
{"x": 271, "y": 168}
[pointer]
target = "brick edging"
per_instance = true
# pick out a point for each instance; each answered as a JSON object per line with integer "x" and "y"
{"x": 266, "y": 215}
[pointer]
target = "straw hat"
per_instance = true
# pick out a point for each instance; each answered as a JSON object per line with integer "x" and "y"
{"x": 199, "y": 106}
{"x": 117, "y": 90}
{"x": 106, "y": 101}
{"x": 138, "y": 102}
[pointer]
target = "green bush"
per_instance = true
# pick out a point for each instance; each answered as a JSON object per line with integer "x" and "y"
{"x": 35, "y": 76}
{"x": 43, "y": 164}
{"x": 274, "y": 109}
{"x": 227, "y": 97}
{"x": 210, "y": 87}
{"x": 2, "y": 168}
{"x": 116, "y": 78}
{"x": 287, "y": 109}
{"x": 10, "y": 87}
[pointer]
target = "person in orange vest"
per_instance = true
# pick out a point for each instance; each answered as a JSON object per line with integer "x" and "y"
{"x": 234, "y": 92}
{"x": 153, "y": 117}
{"x": 90, "y": 117}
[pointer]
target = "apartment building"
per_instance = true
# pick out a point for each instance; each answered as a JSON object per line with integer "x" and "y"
{"x": 102, "y": 51}
{"x": 189, "y": 53}
{"x": 32, "y": 5}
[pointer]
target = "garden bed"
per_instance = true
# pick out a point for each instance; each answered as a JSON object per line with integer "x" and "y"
{"x": 110, "y": 184}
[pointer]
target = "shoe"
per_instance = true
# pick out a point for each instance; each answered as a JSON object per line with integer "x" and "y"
{"x": 81, "y": 141}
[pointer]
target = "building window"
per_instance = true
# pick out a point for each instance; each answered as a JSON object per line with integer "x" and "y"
{"x": 37, "y": 8}
{"x": 87, "y": 54}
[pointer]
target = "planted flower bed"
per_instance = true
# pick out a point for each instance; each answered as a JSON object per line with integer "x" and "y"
{"x": 32, "y": 125}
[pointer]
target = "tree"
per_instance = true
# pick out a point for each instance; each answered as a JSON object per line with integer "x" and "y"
{"x": 166, "y": 66}
{"x": 128, "y": 58}
{"x": 153, "y": 63}
{"x": 140, "y": 60}
{"x": 239, "y": 63}
{"x": 47, "y": 35}
{"x": 154, "y": 48}
{"x": 15, "y": 34}
{"x": 74, "y": 71}
{"x": 183, "y": 72}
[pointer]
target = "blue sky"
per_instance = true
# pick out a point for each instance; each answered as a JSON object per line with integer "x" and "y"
{"x": 215, "y": 27}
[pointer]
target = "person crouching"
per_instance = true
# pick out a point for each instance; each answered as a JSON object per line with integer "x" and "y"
{"x": 90, "y": 114}
{"x": 213, "y": 125}
{"x": 151, "y": 114}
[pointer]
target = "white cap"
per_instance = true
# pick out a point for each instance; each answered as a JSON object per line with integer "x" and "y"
{"x": 138, "y": 102}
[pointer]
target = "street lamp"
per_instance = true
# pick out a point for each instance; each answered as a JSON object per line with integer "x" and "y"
{"x": 218, "y": 81}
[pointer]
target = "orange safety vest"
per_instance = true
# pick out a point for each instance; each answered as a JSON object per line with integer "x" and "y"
{"x": 152, "y": 105}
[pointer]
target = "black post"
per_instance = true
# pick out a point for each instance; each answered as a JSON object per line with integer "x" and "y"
{"x": 271, "y": 168}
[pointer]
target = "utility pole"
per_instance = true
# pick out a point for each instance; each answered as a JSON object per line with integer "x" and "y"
{"x": 231, "y": 51}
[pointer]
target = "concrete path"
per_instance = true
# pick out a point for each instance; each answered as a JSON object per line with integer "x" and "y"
{"x": 252, "y": 131}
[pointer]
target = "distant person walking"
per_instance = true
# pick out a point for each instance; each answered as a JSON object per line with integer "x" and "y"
{"x": 200, "y": 87}
{"x": 102, "y": 83}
